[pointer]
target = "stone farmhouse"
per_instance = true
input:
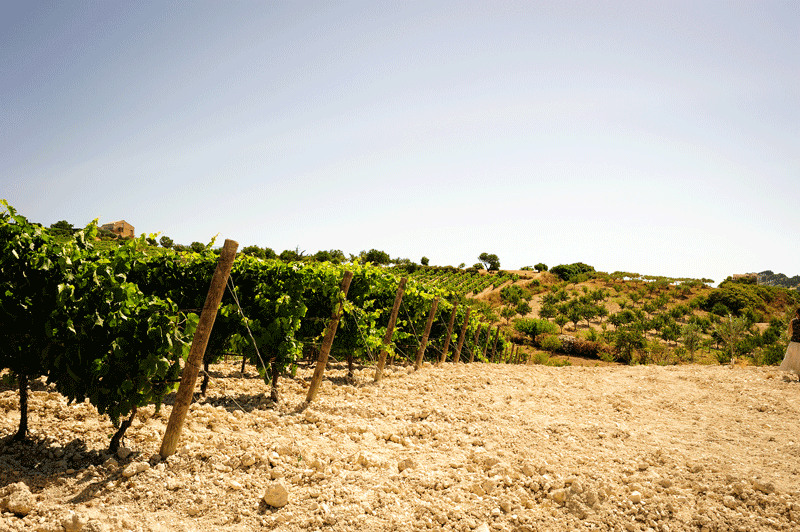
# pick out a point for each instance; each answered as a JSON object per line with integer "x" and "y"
{"x": 120, "y": 228}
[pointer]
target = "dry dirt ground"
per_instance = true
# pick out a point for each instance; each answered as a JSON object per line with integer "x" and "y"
{"x": 460, "y": 447}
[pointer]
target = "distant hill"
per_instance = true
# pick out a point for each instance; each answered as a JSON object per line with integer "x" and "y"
{"x": 778, "y": 279}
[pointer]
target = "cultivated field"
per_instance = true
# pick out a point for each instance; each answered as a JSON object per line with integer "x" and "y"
{"x": 459, "y": 447}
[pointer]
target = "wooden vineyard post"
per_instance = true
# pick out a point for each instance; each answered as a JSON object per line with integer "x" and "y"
{"x": 485, "y": 351}
{"x": 183, "y": 398}
{"x": 390, "y": 329}
{"x": 327, "y": 341}
{"x": 457, "y": 356}
{"x": 449, "y": 333}
{"x": 475, "y": 343}
{"x": 494, "y": 345}
{"x": 426, "y": 334}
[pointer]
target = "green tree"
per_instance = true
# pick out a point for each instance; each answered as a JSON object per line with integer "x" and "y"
{"x": 254, "y": 251}
{"x": 627, "y": 340}
{"x": 561, "y": 320}
{"x": 533, "y": 327}
{"x": 690, "y": 335}
{"x": 547, "y": 311}
{"x": 62, "y": 227}
{"x": 671, "y": 331}
{"x": 166, "y": 242}
{"x": 523, "y": 308}
{"x": 508, "y": 312}
{"x": 511, "y": 294}
{"x": 571, "y": 272}
{"x": 376, "y": 257}
{"x": 731, "y": 331}
{"x": 490, "y": 260}
{"x": 335, "y": 256}
{"x": 424, "y": 261}
{"x": 289, "y": 255}
{"x": 541, "y": 267}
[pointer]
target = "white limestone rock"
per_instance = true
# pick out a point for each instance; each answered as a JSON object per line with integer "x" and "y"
{"x": 74, "y": 522}
{"x": 135, "y": 468}
{"x": 559, "y": 496}
{"x": 406, "y": 463}
{"x": 276, "y": 495}
{"x": 17, "y": 499}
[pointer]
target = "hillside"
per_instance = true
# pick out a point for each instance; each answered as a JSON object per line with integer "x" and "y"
{"x": 778, "y": 279}
{"x": 665, "y": 320}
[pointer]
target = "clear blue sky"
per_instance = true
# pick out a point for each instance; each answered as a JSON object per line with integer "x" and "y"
{"x": 661, "y": 138}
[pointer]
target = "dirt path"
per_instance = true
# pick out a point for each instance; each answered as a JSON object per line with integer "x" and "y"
{"x": 467, "y": 447}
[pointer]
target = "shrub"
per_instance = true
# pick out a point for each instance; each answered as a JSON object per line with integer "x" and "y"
{"x": 533, "y": 327}
{"x": 586, "y": 349}
{"x": 736, "y": 297}
{"x": 770, "y": 355}
{"x": 541, "y": 358}
{"x": 550, "y": 343}
{"x": 572, "y": 272}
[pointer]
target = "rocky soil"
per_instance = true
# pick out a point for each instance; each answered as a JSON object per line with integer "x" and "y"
{"x": 459, "y": 447}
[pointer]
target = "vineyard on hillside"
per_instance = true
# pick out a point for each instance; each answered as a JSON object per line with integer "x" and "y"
{"x": 112, "y": 324}
{"x": 96, "y": 338}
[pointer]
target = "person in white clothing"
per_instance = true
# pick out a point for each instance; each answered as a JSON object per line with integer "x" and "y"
{"x": 791, "y": 362}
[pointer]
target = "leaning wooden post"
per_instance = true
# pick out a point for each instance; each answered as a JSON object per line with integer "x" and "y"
{"x": 183, "y": 398}
{"x": 390, "y": 329}
{"x": 424, "y": 343}
{"x": 475, "y": 343}
{"x": 485, "y": 351}
{"x": 327, "y": 341}
{"x": 494, "y": 345}
{"x": 457, "y": 356}
{"x": 449, "y": 334}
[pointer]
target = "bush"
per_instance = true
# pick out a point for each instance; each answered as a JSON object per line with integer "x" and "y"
{"x": 550, "y": 343}
{"x": 586, "y": 349}
{"x": 570, "y": 272}
{"x": 771, "y": 355}
{"x": 736, "y": 297}
{"x": 541, "y": 358}
{"x": 533, "y": 327}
